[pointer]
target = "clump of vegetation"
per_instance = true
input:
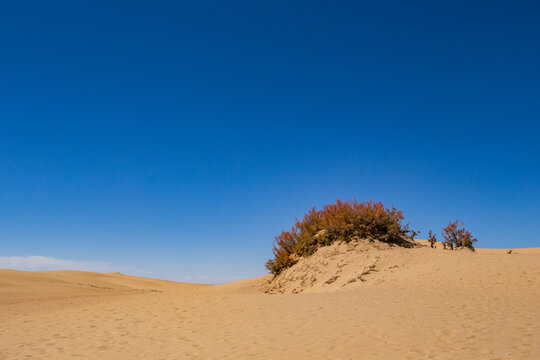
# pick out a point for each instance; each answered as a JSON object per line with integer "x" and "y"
{"x": 509, "y": 251}
{"x": 457, "y": 236}
{"x": 432, "y": 239}
{"x": 340, "y": 221}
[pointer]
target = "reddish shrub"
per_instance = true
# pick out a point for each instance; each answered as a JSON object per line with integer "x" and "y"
{"x": 340, "y": 221}
{"x": 457, "y": 236}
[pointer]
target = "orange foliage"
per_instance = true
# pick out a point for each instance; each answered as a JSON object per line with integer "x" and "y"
{"x": 340, "y": 221}
{"x": 457, "y": 236}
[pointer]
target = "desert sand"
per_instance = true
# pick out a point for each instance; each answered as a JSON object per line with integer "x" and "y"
{"x": 349, "y": 302}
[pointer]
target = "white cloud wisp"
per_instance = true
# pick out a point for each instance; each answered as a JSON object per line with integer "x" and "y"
{"x": 42, "y": 263}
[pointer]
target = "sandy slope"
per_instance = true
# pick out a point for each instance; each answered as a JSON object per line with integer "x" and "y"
{"x": 434, "y": 305}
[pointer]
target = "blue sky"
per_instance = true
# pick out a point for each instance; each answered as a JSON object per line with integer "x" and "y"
{"x": 176, "y": 139}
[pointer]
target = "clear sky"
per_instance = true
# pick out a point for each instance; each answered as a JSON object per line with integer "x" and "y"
{"x": 176, "y": 139}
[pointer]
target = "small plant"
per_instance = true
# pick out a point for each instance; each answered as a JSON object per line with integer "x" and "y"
{"x": 457, "y": 236}
{"x": 509, "y": 251}
{"x": 340, "y": 221}
{"x": 432, "y": 239}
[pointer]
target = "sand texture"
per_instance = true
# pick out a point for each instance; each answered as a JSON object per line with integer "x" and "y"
{"x": 346, "y": 302}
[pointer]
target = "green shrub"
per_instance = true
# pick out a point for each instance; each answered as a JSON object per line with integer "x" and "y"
{"x": 340, "y": 221}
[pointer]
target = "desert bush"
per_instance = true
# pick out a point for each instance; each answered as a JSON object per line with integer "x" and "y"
{"x": 339, "y": 221}
{"x": 432, "y": 239}
{"x": 457, "y": 236}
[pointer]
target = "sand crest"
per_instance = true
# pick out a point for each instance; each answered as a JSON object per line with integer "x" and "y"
{"x": 416, "y": 303}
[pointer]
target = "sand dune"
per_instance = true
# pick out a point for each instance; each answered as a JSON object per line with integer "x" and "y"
{"x": 419, "y": 303}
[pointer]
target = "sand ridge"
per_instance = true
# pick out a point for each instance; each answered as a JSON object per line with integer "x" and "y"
{"x": 435, "y": 305}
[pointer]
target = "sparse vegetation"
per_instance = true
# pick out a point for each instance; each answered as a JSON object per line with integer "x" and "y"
{"x": 509, "y": 251}
{"x": 457, "y": 236}
{"x": 432, "y": 239}
{"x": 340, "y": 221}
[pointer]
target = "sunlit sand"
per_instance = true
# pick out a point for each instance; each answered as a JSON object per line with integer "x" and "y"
{"x": 419, "y": 303}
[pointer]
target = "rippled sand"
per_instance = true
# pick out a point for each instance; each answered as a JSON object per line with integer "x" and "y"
{"x": 436, "y": 305}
